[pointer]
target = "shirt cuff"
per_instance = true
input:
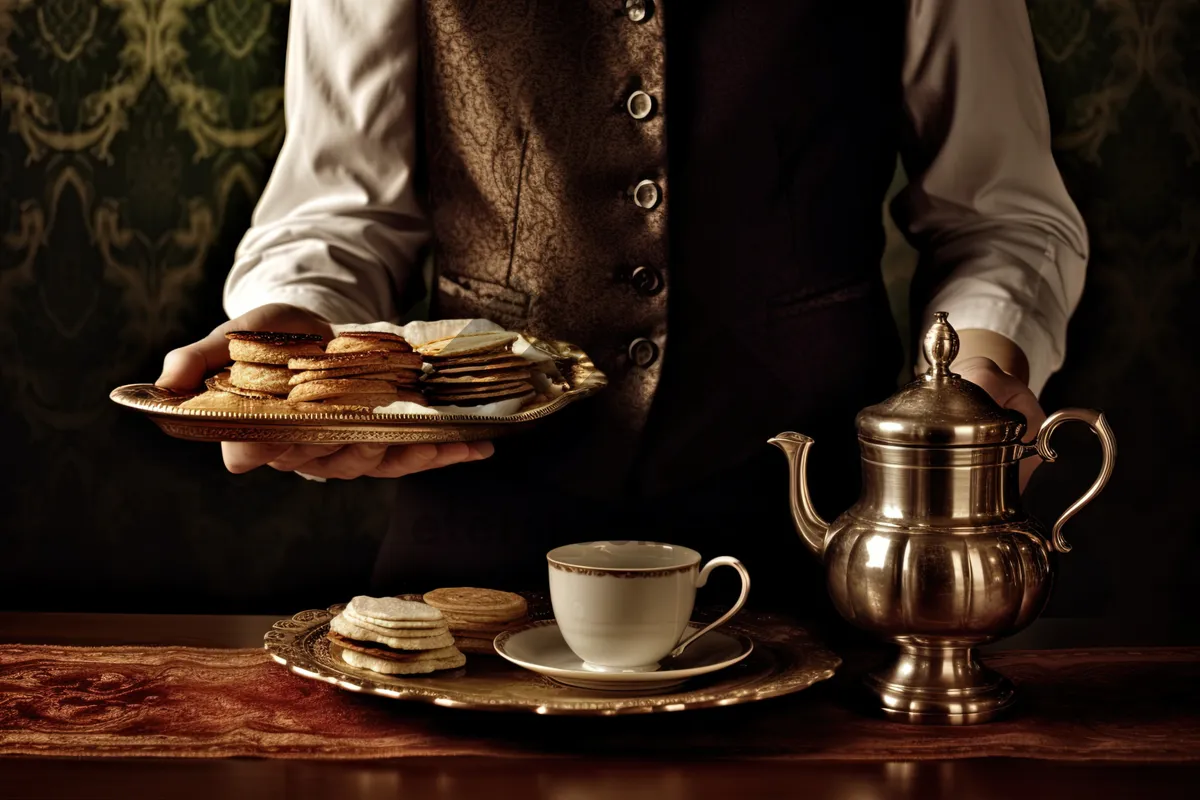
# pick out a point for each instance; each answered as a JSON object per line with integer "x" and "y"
{"x": 1009, "y": 320}
{"x": 327, "y": 304}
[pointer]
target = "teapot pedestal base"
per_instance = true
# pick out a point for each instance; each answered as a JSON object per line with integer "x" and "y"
{"x": 932, "y": 684}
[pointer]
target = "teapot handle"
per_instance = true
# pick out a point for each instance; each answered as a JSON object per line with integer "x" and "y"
{"x": 1108, "y": 443}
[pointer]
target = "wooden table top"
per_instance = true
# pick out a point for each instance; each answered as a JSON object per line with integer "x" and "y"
{"x": 579, "y": 778}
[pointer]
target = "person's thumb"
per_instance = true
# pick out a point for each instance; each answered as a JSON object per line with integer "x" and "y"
{"x": 185, "y": 368}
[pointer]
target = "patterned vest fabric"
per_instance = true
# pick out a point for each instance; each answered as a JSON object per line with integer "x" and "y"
{"x": 737, "y": 269}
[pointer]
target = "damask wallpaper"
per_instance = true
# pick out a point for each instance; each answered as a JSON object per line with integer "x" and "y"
{"x": 137, "y": 135}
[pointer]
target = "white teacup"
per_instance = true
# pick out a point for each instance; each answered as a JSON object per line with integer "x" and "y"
{"x": 623, "y": 606}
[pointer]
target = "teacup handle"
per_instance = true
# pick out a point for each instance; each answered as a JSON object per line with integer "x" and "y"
{"x": 701, "y": 579}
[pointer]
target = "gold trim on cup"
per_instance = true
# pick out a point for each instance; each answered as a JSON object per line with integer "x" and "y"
{"x": 644, "y": 572}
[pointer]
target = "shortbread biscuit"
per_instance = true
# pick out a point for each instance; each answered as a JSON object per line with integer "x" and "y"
{"x": 499, "y": 376}
{"x": 475, "y": 647}
{"x": 472, "y": 603}
{"x": 468, "y": 344}
{"x": 483, "y": 358}
{"x": 337, "y": 387}
{"x": 414, "y": 625}
{"x": 377, "y": 372}
{"x": 393, "y": 609}
{"x": 376, "y": 359}
{"x": 388, "y": 653}
{"x": 404, "y": 361}
{"x": 260, "y": 377}
{"x": 477, "y": 388}
{"x": 458, "y": 368}
{"x": 220, "y": 383}
{"x": 396, "y": 633}
{"x": 272, "y": 348}
{"x": 340, "y": 624}
{"x": 382, "y": 665}
{"x": 359, "y": 341}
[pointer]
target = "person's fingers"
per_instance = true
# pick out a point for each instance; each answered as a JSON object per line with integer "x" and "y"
{"x": 244, "y": 456}
{"x": 482, "y": 450}
{"x": 298, "y": 455}
{"x": 186, "y": 367}
{"x": 351, "y": 461}
{"x": 404, "y": 460}
{"x": 1009, "y": 392}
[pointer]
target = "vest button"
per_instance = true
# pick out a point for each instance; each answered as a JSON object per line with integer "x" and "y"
{"x": 640, "y": 105}
{"x": 643, "y": 353}
{"x": 638, "y": 10}
{"x": 646, "y": 281}
{"x": 646, "y": 194}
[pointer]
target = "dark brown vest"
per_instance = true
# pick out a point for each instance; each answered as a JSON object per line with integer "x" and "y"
{"x": 760, "y": 284}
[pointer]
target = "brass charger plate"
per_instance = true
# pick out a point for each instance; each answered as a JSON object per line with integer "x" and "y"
{"x": 252, "y": 424}
{"x": 785, "y": 660}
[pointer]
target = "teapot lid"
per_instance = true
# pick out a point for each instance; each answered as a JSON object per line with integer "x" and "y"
{"x": 940, "y": 408}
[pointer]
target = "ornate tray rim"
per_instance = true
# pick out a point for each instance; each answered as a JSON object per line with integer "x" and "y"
{"x": 818, "y": 664}
{"x": 161, "y": 405}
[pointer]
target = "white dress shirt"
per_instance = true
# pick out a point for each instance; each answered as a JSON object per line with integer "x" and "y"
{"x": 339, "y": 228}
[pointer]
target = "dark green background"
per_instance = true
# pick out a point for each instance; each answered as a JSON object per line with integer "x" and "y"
{"x": 129, "y": 172}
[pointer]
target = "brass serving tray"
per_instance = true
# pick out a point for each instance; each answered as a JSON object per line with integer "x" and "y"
{"x": 785, "y": 660}
{"x": 343, "y": 427}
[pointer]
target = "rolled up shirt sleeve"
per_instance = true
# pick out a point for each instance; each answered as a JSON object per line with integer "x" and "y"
{"x": 338, "y": 230}
{"x": 1003, "y": 247}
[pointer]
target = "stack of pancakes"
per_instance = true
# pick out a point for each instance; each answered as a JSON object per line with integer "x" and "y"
{"x": 260, "y": 363}
{"x": 359, "y": 368}
{"x": 475, "y": 369}
{"x": 394, "y": 637}
{"x": 476, "y": 616}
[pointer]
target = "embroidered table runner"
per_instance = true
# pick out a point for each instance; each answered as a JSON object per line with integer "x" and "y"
{"x": 1099, "y": 704}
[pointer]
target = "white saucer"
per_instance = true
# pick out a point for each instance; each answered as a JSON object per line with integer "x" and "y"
{"x": 539, "y": 646}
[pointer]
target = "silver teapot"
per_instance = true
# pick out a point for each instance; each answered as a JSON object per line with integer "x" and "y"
{"x": 937, "y": 555}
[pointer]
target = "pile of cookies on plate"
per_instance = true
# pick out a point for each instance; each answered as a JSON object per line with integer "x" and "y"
{"x": 475, "y": 369}
{"x": 398, "y": 636}
{"x": 358, "y": 369}
{"x": 394, "y": 637}
{"x": 368, "y": 369}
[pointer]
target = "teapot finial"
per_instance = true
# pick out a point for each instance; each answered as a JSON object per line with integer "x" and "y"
{"x": 940, "y": 347}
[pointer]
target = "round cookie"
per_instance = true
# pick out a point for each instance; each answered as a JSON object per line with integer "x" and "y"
{"x": 470, "y": 602}
{"x": 260, "y": 377}
{"x": 395, "y": 633}
{"x": 272, "y": 348}
{"x": 382, "y": 665}
{"x": 499, "y": 376}
{"x": 456, "y": 368}
{"x": 484, "y": 358}
{"x": 475, "y": 647}
{"x": 384, "y": 652}
{"x": 376, "y": 359}
{"x": 416, "y": 626}
{"x": 393, "y": 609}
{"x": 338, "y": 387}
{"x": 468, "y": 344}
{"x": 477, "y": 388}
{"x": 220, "y": 383}
{"x": 368, "y": 373}
{"x": 358, "y": 341}
{"x": 340, "y": 624}
{"x": 404, "y": 361}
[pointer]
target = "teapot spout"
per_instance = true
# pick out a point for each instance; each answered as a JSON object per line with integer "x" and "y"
{"x": 808, "y": 522}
